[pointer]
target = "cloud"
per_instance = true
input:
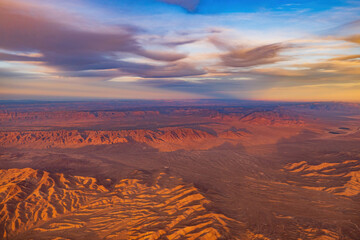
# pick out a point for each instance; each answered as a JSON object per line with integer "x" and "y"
{"x": 16, "y": 57}
{"x": 93, "y": 74}
{"x": 178, "y": 43}
{"x": 240, "y": 56}
{"x": 346, "y": 29}
{"x": 279, "y": 72}
{"x": 171, "y": 70}
{"x": 347, "y": 58}
{"x": 71, "y": 48}
{"x": 341, "y": 68}
{"x": 354, "y": 38}
{"x": 189, "y": 5}
{"x": 343, "y": 65}
{"x": 8, "y": 73}
{"x": 125, "y": 68}
{"x": 162, "y": 56}
{"x": 21, "y": 32}
{"x": 252, "y": 57}
{"x": 348, "y": 32}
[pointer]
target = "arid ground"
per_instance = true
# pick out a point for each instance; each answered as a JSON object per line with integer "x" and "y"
{"x": 179, "y": 170}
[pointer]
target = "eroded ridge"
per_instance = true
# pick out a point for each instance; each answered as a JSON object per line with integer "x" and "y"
{"x": 144, "y": 206}
{"x": 29, "y": 196}
{"x": 339, "y": 178}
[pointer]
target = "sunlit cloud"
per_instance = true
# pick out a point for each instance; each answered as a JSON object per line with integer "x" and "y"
{"x": 242, "y": 56}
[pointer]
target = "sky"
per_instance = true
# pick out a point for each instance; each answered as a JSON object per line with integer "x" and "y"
{"x": 279, "y": 50}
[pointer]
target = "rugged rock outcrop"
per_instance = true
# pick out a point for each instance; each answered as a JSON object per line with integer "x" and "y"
{"x": 166, "y": 139}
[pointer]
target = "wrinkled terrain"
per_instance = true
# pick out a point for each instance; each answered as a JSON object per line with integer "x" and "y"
{"x": 180, "y": 170}
{"x": 145, "y": 206}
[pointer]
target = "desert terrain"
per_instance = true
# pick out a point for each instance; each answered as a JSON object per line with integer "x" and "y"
{"x": 205, "y": 169}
